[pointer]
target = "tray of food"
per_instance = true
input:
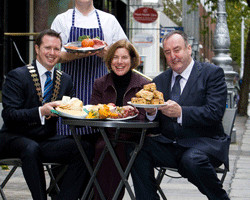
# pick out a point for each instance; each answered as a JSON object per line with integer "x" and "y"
{"x": 148, "y": 97}
{"x": 85, "y": 44}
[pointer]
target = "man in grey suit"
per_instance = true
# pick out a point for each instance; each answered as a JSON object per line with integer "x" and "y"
{"x": 191, "y": 136}
{"x": 29, "y": 130}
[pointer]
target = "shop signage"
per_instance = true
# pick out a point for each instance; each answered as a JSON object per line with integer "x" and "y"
{"x": 145, "y": 15}
{"x": 165, "y": 30}
{"x": 143, "y": 40}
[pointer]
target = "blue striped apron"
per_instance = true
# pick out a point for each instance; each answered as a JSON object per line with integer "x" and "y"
{"x": 83, "y": 71}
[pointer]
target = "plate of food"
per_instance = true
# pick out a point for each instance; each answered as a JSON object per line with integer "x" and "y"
{"x": 148, "y": 97}
{"x": 71, "y": 108}
{"x": 111, "y": 112}
{"x": 125, "y": 118}
{"x": 85, "y": 45}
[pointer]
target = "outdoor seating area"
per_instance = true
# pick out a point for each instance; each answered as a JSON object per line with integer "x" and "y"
{"x": 235, "y": 182}
{"x": 125, "y": 100}
{"x": 167, "y": 183}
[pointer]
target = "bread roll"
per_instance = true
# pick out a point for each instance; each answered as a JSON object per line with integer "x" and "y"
{"x": 72, "y": 104}
{"x": 76, "y": 105}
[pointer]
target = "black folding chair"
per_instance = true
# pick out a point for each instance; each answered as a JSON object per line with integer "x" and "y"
{"x": 14, "y": 163}
{"x": 228, "y": 122}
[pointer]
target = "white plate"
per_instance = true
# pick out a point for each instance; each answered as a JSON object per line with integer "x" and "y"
{"x": 62, "y": 114}
{"x": 80, "y": 50}
{"x": 145, "y": 105}
{"x": 130, "y": 117}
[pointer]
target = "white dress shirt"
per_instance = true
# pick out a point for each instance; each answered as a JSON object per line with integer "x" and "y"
{"x": 41, "y": 71}
{"x": 111, "y": 28}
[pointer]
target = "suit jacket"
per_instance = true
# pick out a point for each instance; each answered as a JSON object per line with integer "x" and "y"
{"x": 203, "y": 102}
{"x": 20, "y": 107}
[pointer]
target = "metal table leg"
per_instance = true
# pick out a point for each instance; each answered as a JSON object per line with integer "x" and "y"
{"x": 123, "y": 174}
{"x": 131, "y": 162}
{"x": 89, "y": 167}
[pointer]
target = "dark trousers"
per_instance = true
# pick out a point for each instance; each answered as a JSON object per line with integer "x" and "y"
{"x": 59, "y": 150}
{"x": 191, "y": 163}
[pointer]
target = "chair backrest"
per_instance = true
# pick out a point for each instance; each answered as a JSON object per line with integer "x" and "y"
{"x": 1, "y": 119}
{"x": 228, "y": 120}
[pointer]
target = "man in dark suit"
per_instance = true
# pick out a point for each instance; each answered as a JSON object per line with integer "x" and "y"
{"x": 191, "y": 136}
{"x": 29, "y": 130}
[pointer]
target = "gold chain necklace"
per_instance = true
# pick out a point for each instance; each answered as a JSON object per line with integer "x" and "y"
{"x": 37, "y": 83}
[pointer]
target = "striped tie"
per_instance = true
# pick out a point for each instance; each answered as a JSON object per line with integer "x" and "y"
{"x": 48, "y": 88}
{"x": 176, "y": 90}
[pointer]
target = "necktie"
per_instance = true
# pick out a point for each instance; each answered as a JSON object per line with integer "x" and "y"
{"x": 176, "y": 90}
{"x": 48, "y": 86}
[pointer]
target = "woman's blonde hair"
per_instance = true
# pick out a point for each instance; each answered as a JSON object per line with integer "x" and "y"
{"x": 134, "y": 55}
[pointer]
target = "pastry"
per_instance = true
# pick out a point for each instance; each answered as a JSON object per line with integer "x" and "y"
{"x": 157, "y": 101}
{"x": 147, "y": 95}
{"x": 137, "y": 100}
{"x": 138, "y": 94}
{"x": 150, "y": 87}
{"x": 158, "y": 95}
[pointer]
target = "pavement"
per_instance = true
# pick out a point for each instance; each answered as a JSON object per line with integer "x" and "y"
{"x": 236, "y": 183}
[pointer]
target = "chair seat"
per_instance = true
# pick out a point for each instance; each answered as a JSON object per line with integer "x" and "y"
{"x": 11, "y": 161}
{"x": 16, "y": 162}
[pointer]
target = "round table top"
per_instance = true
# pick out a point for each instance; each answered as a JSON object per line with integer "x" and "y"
{"x": 110, "y": 123}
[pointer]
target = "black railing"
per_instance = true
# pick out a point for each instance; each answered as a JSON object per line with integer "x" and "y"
{"x": 15, "y": 53}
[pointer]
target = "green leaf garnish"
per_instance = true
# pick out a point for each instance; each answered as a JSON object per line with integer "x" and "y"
{"x": 83, "y": 37}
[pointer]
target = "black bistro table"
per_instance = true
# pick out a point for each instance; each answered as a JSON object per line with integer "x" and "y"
{"x": 101, "y": 125}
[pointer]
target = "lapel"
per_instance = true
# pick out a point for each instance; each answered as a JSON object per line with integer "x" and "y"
{"x": 54, "y": 77}
{"x": 194, "y": 75}
{"x": 167, "y": 85}
{"x": 163, "y": 83}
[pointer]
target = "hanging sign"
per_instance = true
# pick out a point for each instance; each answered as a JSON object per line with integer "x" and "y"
{"x": 145, "y": 15}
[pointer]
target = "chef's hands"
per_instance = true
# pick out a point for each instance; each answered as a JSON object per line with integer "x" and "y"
{"x": 171, "y": 109}
{"x": 100, "y": 53}
{"x": 47, "y": 107}
{"x": 103, "y": 52}
{"x": 84, "y": 54}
